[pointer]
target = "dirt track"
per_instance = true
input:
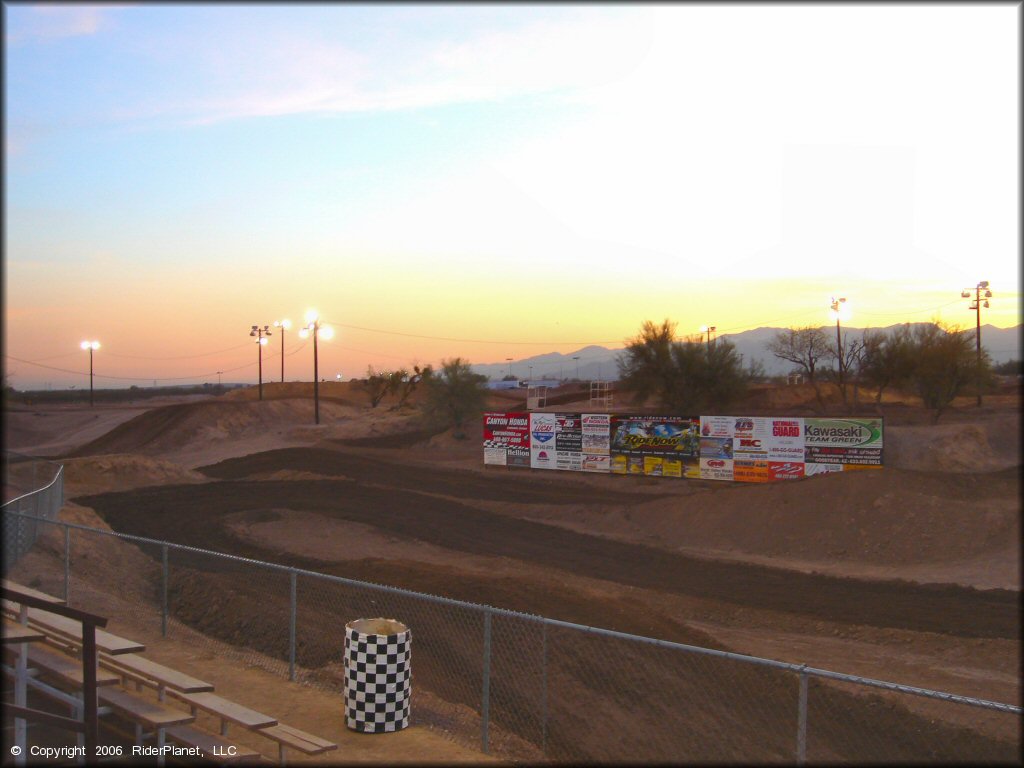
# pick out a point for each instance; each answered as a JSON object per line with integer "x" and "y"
{"x": 370, "y": 495}
{"x": 559, "y": 573}
{"x": 385, "y": 499}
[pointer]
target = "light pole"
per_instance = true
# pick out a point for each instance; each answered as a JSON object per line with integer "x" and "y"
{"x": 284, "y": 325}
{"x": 530, "y": 380}
{"x": 838, "y": 308}
{"x": 218, "y": 377}
{"x": 708, "y": 329}
{"x": 577, "y": 359}
{"x": 509, "y": 361}
{"x": 313, "y": 326}
{"x": 261, "y": 341}
{"x": 90, "y": 345}
{"x": 976, "y": 305}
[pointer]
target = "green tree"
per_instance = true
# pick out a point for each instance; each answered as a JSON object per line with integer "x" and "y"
{"x": 886, "y": 359}
{"x": 454, "y": 395}
{"x": 942, "y": 365}
{"x": 686, "y": 376}
{"x": 1009, "y": 368}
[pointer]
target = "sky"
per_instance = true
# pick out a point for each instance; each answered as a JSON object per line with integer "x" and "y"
{"x": 491, "y": 181}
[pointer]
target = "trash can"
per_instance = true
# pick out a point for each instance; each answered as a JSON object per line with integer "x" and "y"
{"x": 378, "y": 675}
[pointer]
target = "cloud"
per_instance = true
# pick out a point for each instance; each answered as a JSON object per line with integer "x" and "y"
{"x": 53, "y": 22}
{"x": 260, "y": 70}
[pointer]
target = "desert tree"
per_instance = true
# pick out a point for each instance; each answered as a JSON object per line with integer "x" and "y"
{"x": 405, "y": 383}
{"x": 645, "y": 365}
{"x": 806, "y": 348}
{"x": 942, "y": 364}
{"x": 454, "y": 395}
{"x": 687, "y": 376}
{"x": 885, "y": 360}
{"x": 378, "y": 385}
{"x": 847, "y": 353}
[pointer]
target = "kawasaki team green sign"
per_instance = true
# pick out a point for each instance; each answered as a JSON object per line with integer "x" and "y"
{"x": 843, "y": 441}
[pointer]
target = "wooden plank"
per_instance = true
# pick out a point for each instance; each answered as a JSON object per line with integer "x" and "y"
{"x": 296, "y": 739}
{"x": 13, "y": 632}
{"x": 226, "y": 710}
{"x": 72, "y": 630}
{"x": 212, "y": 747}
{"x": 67, "y": 669}
{"x": 152, "y": 714}
{"x": 156, "y": 675}
{"x": 8, "y": 584}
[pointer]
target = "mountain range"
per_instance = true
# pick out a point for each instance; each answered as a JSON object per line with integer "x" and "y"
{"x": 596, "y": 363}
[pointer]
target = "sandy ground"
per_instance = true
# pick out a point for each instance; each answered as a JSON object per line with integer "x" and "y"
{"x": 945, "y": 511}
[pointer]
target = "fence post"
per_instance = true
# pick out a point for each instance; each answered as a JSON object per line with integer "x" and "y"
{"x": 485, "y": 715}
{"x": 544, "y": 691}
{"x": 801, "y": 723}
{"x": 291, "y": 631}
{"x": 67, "y": 565}
{"x": 163, "y": 592}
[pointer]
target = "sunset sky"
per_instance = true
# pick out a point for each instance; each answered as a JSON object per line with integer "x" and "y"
{"x": 492, "y": 181}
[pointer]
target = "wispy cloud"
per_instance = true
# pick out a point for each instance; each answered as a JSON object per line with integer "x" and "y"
{"x": 259, "y": 71}
{"x": 52, "y": 22}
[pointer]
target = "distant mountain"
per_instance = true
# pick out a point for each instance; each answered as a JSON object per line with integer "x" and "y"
{"x": 597, "y": 363}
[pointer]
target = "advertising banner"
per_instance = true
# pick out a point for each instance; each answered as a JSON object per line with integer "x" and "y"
{"x": 638, "y": 440}
{"x": 596, "y": 442}
{"x": 752, "y": 449}
{"x": 843, "y": 441}
{"x": 820, "y": 469}
{"x": 785, "y": 470}
{"x": 507, "y": 439}
{"x": 716, "y": 469}
{"x": 569, "y": 442}
{"x": 751, "y": 468}
{"x": 785, "y": 440}
{"x": 542, "y": 440}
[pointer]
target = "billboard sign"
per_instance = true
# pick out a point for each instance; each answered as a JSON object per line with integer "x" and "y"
{"x": 843, "y": 441}
{"x": 507, "y": 439}
{"x": 653, "y": 445}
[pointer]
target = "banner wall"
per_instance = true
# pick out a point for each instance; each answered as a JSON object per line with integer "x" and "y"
{"x": 746, "y": 449}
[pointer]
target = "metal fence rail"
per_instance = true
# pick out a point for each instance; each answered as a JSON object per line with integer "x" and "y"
{"x": 521, "y": 686}
{"x": 37, "y": 488}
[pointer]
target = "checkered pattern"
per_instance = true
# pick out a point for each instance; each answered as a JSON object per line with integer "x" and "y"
{"x": 378, "y": 677}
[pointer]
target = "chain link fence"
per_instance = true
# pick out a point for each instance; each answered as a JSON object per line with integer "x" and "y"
{"x": 33, "y": 488}
{"x": 518, "y": 686}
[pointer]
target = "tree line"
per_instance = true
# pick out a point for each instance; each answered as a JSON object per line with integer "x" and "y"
{"x": 932, "y": 360}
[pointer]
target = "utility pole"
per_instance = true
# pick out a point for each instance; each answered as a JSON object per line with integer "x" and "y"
{"x": 976, "y": 306}
{"x": 90, "y": 345}
{"x": 261, "y": 341}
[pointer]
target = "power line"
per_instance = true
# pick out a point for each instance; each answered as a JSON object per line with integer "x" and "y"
{"x": 108, "y": 353}
{"x": 465, "y": 341}
{"x": 133, "y": 378}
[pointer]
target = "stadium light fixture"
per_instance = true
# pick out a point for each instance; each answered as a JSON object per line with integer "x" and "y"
{"x": 314, "y": 327}
{"x": 90, "y": 345}
{"x": 980, "y": 300}
{"x": 284, "y": 325}
{"x": 708, "y": 329}
{"x": 260, "y": 335}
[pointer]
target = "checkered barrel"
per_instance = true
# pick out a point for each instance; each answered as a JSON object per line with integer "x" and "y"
{"x": 378, "y": 675}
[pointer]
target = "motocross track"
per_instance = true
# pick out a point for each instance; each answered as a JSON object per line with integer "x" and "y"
{"x": 909, "y": 574}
